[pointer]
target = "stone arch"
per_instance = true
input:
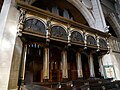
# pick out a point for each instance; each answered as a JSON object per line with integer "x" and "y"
{"x": 84, "y": 11}
{"x": 114, "y": 24}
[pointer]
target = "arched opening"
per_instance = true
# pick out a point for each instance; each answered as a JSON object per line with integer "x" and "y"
{"x": 103, "y": 43}
{"x": 58, "y": 32}
{"x": 34, "y": 64}
{"x": 55, "y": 65}
{"x": 72, "y": 65}
{"x": 57, "y": 7}
{"x": 85, "y": 66}
{"x": 96, "y": 65}
{"x": 91, "y": 40}
{"x": 76, "y": 37}
{"x": 34, "y": 25}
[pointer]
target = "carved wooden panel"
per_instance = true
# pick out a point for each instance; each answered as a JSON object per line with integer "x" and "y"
{"x": 102, "y": 43}
{"x": 34, "y": 25}
{"x": 91, "y": 40}
{"x": 76, "y": 37}
{"x": 59, "y": 32}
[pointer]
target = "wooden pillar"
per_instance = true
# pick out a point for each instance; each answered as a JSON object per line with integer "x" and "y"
{"x": 64, "y": 64}
{"x": 79, "y": 65}
{"x": 23, "y": 63}
{"x": 46, "y": 64}
{"x": 101, "y": 70}
{"x": 91, "y": 66}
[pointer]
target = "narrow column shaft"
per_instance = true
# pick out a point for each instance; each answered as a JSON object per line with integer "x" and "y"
{"x": 46, "y": 64}
{"x": 101, "y": 66}
{"x": 91, "y": 66}
{"x": 64, "y": 64}
{"x": 23, "y": 62}
{"x": 79, "y": 65}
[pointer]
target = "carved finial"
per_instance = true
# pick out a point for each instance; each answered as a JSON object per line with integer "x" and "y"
{"x": 106, "y": 29}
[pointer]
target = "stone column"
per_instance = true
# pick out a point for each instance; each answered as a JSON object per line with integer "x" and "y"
{"x": 64, "y": 64}
{"x": 23, "y": 62}
{"x": 79, "y": 65}
{"x": 46, "y": 64}
{"x": 91, "y": 66}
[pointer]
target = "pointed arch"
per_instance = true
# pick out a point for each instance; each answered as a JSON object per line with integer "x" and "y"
{"x": 111, "y": 18}
{"x": 85, "y": 12}
{"x": 82, "y": 9}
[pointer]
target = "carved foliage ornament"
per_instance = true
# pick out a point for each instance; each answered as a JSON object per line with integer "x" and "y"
{"x": 34, "y": 25}
{"x": 21, "y": 19}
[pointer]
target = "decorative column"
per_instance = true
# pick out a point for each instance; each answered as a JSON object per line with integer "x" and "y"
{"x": 79, "y": 65}
{"x": 64, "y": 64}
{"x": 46, "y": 64}
{"x": 101, "y": 70}
{"x": 91, "y": 66}
{"x": 23, "y": 63}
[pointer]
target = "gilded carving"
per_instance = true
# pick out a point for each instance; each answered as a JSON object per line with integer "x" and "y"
{"x": 21, "y": 19}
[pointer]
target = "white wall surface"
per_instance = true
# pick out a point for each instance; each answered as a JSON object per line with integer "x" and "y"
{"x": 8, "y": 22}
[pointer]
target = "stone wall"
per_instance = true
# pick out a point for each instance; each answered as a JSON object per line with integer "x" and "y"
{"x": 15, "y": 66}
{"x": 8, "y": 22}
